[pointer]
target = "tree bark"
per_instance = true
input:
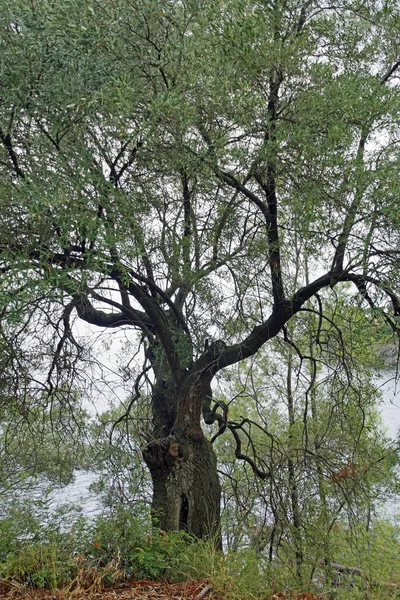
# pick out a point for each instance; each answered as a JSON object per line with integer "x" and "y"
{"x": 183, "y": 466}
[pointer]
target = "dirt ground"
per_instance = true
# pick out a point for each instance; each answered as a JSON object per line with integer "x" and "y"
{"x": 137, "y": 590}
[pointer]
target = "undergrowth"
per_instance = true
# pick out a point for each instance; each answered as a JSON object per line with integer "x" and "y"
{"x": 77, "y": 554}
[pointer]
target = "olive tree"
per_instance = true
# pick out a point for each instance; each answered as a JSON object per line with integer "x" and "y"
{"x": 163, "y": 164}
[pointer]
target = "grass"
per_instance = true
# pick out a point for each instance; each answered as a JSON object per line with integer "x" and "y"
{"x": 93, "y": 556}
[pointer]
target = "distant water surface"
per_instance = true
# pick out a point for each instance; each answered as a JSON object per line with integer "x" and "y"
{"x": 78, "y": 492}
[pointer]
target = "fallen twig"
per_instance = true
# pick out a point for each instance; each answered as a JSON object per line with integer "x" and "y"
{"x": 204, "y": 591}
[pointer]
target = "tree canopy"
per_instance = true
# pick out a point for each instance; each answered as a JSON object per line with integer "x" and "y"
{"x": 195, "y": 173}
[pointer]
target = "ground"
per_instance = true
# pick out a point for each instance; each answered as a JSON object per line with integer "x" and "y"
{"x": 137, "y": 590}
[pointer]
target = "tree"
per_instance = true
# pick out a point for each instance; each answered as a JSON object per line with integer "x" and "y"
{"x": 163, "y": 163}
{"x": 317, "y": 435}
{"x": 123, "y": 479}
{"x": 38, "y": 438}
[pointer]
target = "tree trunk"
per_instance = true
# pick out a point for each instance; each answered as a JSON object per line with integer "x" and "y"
{"x": 293, "y": 489}
{"x": 183, "y": 467}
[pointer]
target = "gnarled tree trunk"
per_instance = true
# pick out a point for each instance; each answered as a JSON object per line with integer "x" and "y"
{"x": 183, "y": 465}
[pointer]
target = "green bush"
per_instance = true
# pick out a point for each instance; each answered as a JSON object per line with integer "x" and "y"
{"x": 74, "y": 552}
{"x": 145, "y": 552}
{"x": 40, "y": 565}
{"x": 38, "y": 547}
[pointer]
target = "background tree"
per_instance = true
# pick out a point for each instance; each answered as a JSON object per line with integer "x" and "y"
{"x": 308, "y": 419}
{"x": 162, "y": 164}
{"x": 123, "y": 481}
{"x": 39, "y": 437}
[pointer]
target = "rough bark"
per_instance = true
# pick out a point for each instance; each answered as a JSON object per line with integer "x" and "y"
{"x": 183, "y": 466}
{"x": 186, "y": 489}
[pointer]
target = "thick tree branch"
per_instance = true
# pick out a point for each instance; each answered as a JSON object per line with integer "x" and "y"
{"x": 235, "y": 183}
{"x": 262, "y": 333}
{"x": 269, "y": 187}
{"x": 161, "y": 326}
{"x": 88, "y": 313}
{"x": 361, "y": 280}
{"x": 187, "y": 228}
{"x": 390, "y": 72}
{"x": 241, "y": 456}
{"x": 350, "y": 218}
{"x": 6, "y": 140}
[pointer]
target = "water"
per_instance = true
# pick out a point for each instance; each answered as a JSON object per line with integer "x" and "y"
{"x": 79, "y": 495}
{"x": 390, "y": 407}
{"x": 390, "y": 412}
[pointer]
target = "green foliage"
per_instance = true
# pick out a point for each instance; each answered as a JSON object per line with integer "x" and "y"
{"x": 145, "y": 553}
{"x": 38, "y": 546}
{"x": 374, "y": 553}
{"x": 70, "y": 551}
{"x": 40, "y": 565}
{"x": 149, "y": 185}
{"x": 51, "y": 555}
{"x": 33, "y": 451}
{"x": 32, "y": 448}
{"x": 154, "y": 88}
{"x": 116, "y": 457}
{"x": 308, "y": 418}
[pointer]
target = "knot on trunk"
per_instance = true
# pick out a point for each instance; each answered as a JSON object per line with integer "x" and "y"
{"x": 194, "y": 433}
{"x": 160, "y": 454}
{"x": 191, "y": 432}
